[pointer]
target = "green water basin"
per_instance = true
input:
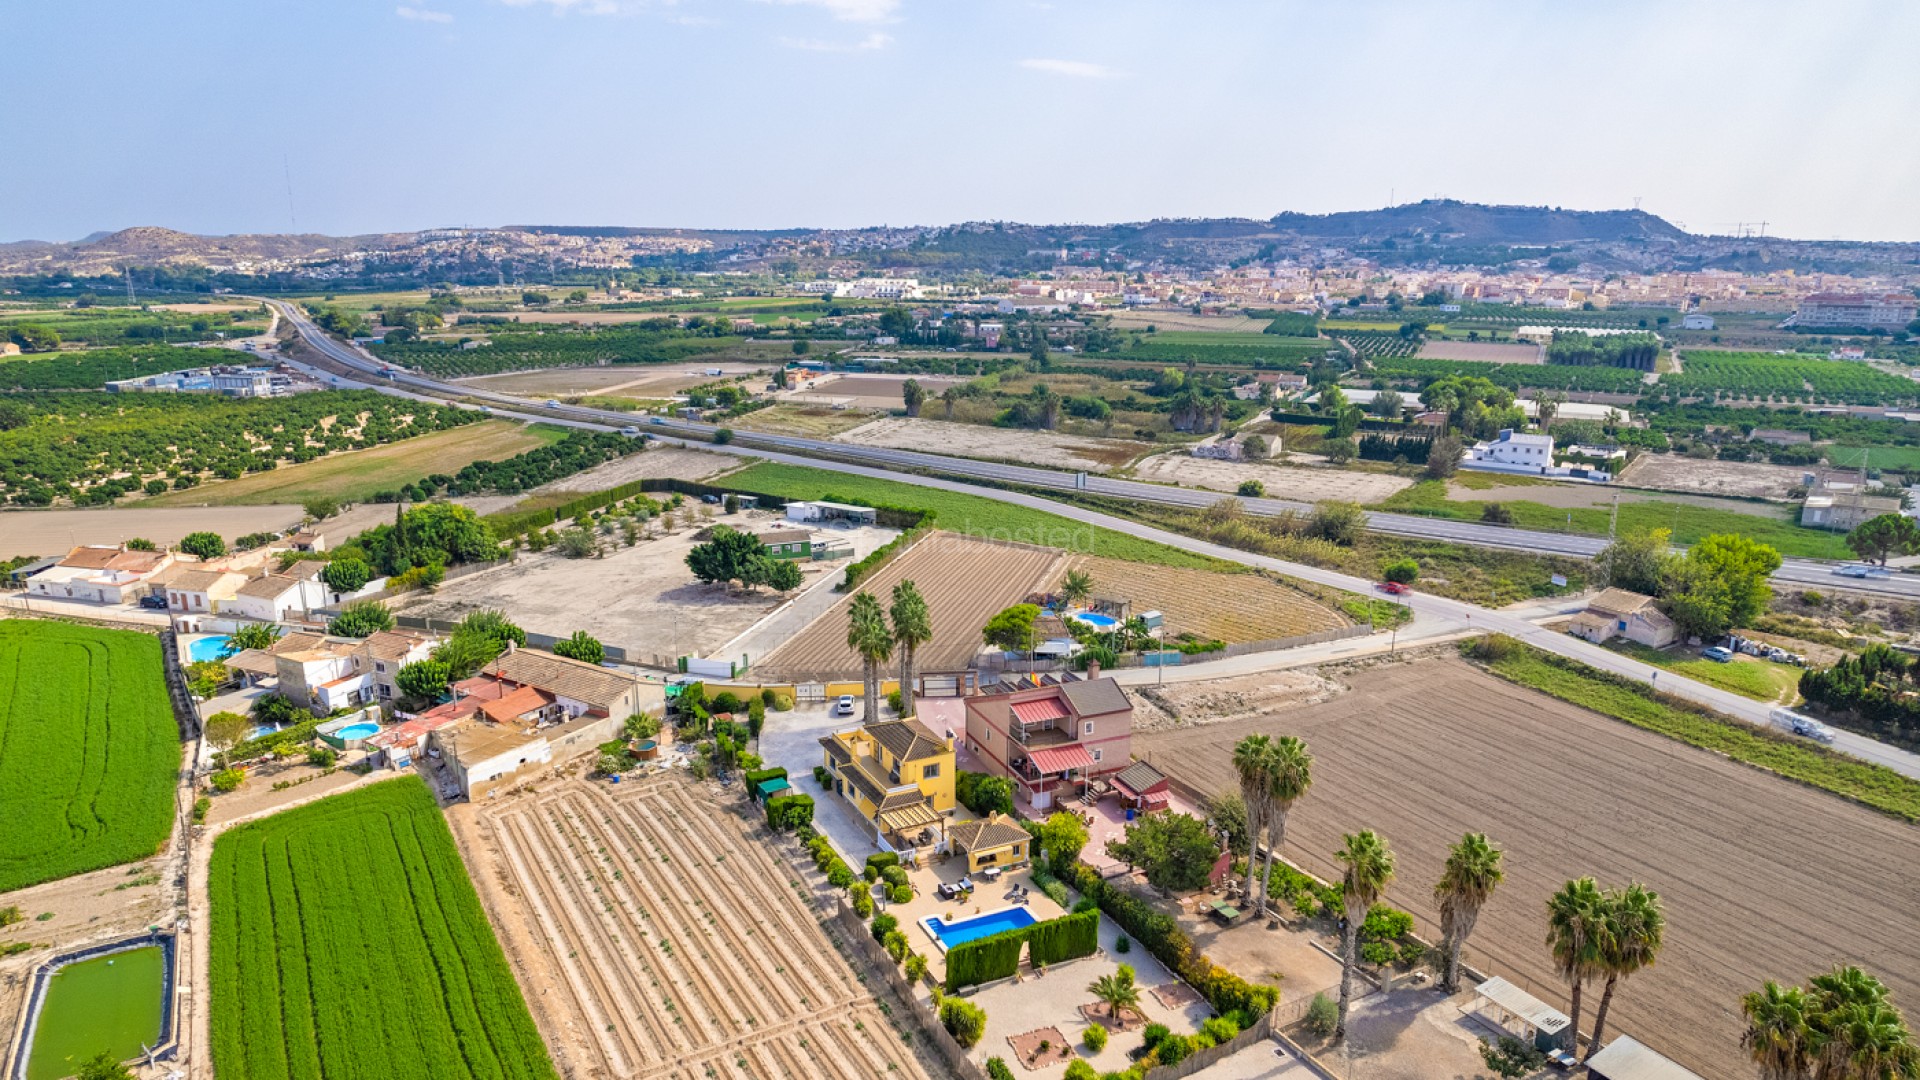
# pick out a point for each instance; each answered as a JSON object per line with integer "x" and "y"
{"x": 109, "y": 1003}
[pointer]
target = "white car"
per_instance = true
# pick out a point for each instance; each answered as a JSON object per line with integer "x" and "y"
{"x": 630, "y": 431}
{"x": 844, "y": 706}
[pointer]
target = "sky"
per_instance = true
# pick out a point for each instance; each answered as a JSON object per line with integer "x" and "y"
{"x": 354, "y": 116}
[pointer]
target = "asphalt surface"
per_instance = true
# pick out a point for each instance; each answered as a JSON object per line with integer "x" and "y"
{"x": 1433, "y": 615}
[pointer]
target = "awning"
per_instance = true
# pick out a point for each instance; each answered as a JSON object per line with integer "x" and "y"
{"x": 1523, "y": 1005}
{"x": 768, "y": 787}
{"x": 1034, "y": 712}
{"x": 1056, "y": 759}
{"x": 1154, "y": 799}
{"x": 913, "y": 816}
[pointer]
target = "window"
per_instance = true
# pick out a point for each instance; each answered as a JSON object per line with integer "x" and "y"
{"x": 1086, "y": 728}
{"x": 1096, "y": 753}
{"x": 986, "y": 735}
{"x": 381, "y": 667}
{"x": 928, "y": 772}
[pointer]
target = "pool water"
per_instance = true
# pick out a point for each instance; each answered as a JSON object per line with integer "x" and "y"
{"x": 949, "y": 934}
{"x": 1094, "y": 618}
{"x": 203, "y": 649}
{"x": 109, "y": 1003}
{"x": 357, "y": 731}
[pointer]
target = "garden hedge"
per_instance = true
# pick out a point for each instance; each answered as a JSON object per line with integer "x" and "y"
{"x": 1068, "y": 937}
{"x": 1169, "y": 944}
{"x": 985, "y": 959}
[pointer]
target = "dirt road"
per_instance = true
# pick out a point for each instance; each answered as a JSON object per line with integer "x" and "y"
{"x": 1762, "y": 878}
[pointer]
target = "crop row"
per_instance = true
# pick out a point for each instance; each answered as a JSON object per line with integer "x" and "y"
{"x": 1763, "y": 376}
{"x": 558, "y": 347}
{"x": 1377, "y": 344}
{"x": 347, "y": 941}
{"x": 91, "y": 369}
{"x": 1518, "y": 376}
{"x": 88, "y": 750}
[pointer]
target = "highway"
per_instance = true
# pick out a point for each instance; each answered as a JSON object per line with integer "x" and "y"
{"x": 1434, "y": 615}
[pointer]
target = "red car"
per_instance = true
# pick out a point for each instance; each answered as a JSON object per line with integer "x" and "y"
{"x": 1393, "y": 588}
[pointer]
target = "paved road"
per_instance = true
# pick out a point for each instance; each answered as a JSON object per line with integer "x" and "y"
{"x": 1432, "y": 613}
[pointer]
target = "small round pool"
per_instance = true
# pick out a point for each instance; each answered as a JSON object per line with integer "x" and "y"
{"x": 357, "y": 731}
{"x": 200, "y": 650}
{"x": 647, "y": 749}
{"x": 1094, "y": 618}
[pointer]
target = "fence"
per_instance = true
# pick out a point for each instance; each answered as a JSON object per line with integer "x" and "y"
{"x": 1261, "y": 1031}
{"x": 855, "y": 931}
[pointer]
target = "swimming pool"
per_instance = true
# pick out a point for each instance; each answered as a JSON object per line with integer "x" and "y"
{"x": 203, "y": 649}
{"x": 1094, "y": 618}
{"x": 358, "y": 731}
{"x": 949, "y": 934}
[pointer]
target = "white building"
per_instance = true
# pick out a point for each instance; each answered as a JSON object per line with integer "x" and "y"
{"x": 1696, "y": 320}
{"x": 880, "y": 289}
{"x": 101, "y": 575}
{"x": 1515, "y": 448}
{"x": 1841, "y": 311}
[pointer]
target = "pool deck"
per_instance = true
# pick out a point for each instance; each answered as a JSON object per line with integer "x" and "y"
{"x": 988, "y": 897}
{"x": 941, "y": 942}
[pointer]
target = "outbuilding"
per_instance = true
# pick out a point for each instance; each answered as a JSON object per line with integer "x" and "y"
{"x": 1626, "y": 1058}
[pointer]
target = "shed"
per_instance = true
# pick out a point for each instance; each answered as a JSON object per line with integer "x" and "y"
{"x": 767, "y": 789}
{"x": 1516, "y": 1012}
{"x": 1627, "y": 1058}
{"x": 1142, "y": 786}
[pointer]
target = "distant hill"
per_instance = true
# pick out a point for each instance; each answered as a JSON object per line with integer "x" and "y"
{"x": 1453, "y": 222}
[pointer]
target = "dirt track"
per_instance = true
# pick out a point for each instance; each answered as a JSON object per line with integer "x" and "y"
{"x": 1762, "y": 878}
{"x": 655, "y": 937}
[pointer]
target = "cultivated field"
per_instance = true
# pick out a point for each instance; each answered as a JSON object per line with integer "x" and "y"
{"x": 659, "y": 461}
{"x": 347, "y": 941}
{"x": 1245, "y": 607}
{"x": 965, "y": 582}
{"x": 1280, "y": 481}
{"x": 1761, "y": 878}
{"x": 89, "y": 750}
{"x": 814, "y": 421}
{"x": 1005, "y": 444}
{"x": 1677, "y": 472}
{"x": 1490, "y": 352}
{"x": 1183, "y": 320}
{"x": 355, "y": 475}
{"x": 659, "y": 938}
{"x": 878, "y": 391}
{"x": 623, "y": 380}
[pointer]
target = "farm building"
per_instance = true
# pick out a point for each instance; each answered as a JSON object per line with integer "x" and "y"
{"x": 787, "y": 544}
{"x": 831, "y": 511}
{"x": 101, "y": 575}
{"x": 481, "y": 755}
{"x": 1620, "y": 613}
{"x": 1843, "y": 507}
{"x": 324, "y": 673}
{"x": 1051, "y": 740}
{"x": 1515, "y": 1012}
{"x": 898, "y": 774}
{"x": 1626, "y": 1058}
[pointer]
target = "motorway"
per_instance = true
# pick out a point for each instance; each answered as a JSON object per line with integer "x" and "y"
{"x": 1433, "y": 615}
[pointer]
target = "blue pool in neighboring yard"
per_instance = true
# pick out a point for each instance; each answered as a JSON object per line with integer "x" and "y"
{"x": 203, "y": 649}
{"x": 358, "y": 731}
{"x": 949, "y": 934}
{"x": 1094, "y": 618}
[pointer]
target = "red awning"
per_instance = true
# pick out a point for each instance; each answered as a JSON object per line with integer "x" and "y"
{"x": 1153, "y": 799}
{"x": 1033, "y": 712}
{"x": 1061, "y": 758}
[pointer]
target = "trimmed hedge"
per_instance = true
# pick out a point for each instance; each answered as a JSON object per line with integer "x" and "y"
{"x": 1170, "y": 945}
{"x": 921, "y": 523}
{"x": 1068, "y": 937}
{"x": 985, "y": 959}
{"x": 789, "y": 811}
{"x": 759, "y": 776}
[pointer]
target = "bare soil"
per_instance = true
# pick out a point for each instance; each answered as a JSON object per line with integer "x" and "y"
{"x": 1053, "y": 448}
{"x": 1761, "y": 878}
{"x": 655, "y": 935}
{"x": 626, "y": 380}
{"x": 55, "y": 532}
{"x": 1232, "y": 608}
{"x": 1677, "y": 472}
{"x": 878, "y": 391}
{"x": 799, "y": 417}
{"x": 1490, "y": 352}
{"x": 1280, "y": 481}
{"x": 1243, "y": 697}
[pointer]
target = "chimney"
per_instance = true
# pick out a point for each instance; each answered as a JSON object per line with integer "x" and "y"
{"x": 1093, "y": 670}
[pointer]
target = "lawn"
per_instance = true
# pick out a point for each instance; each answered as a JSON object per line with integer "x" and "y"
{"x": 1875, "y": 457}
{"x": 1872, "y": 785}
{"x": 347, "y": 941}
{"x": 970, "y": 514}
{"x": 88, "y": 750}
{"x": 1689, "y": 523}
{"x": 355, "y": 475}
{"x": 1761, "y": 680}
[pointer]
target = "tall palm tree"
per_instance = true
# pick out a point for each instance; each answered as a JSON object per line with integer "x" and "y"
{"x": 1116, "y": 991}
{"x": 1369, "y": 870}
{"x": 1252, "y": 756}
{"x": 1855, "y": 1032}
{"x": 1473, "y": 870}
{"x": 1633, "y": 928}
{"x": 869, "y": 637}
{"x": 1076, "y": 587}
{"x": 1574, "y": 915}
{"x": 1777, "y": 1036}
{"x": 1289, "y": 775}
{"x": 912, "y": 628}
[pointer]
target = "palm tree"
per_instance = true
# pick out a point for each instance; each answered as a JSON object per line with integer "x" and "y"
{"x": 1632, "y": 931}
{"x": 1369, "y": 870}
{"x": 1856, "y": 1033}
{"x": 1574, "y": 916}
{"x": 1289, "y": 775}
{"x": 1546, "y": 406}
{"x": 948, "y": 397}
{"x": 1076, "y": 588}
{"x": 1777, "y": 1035}
{"x": 912, "y": 628}
{"x": 1116, "y": 991}
{"x": 1473, "y": 870}
{"x": 1252, "y": 756}
{"x": 868, "y": 635}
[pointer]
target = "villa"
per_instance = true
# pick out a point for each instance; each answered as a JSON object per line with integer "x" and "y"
{"x": 897, "y": 774}
{"x": 1051, "y": 740}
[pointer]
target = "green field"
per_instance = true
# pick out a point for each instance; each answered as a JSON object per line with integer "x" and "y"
{"x": 971, "y": 514}
{"x": 348, "y": 942}
{"x": 89, "y": 750}
{"x": 1761, "y": 680}
{"x": 1905, "y": 458}
{"x": 1689, "y": 522}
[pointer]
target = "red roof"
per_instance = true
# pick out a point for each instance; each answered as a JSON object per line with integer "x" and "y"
{"x": 1033, "y": 712}
{"x": 1061, "y": 758}
{"x": 519, "y": 703}
{"x": 1154, "y": 798}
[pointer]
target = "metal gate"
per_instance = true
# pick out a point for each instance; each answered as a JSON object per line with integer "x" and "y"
{"x": 811, "y": 693}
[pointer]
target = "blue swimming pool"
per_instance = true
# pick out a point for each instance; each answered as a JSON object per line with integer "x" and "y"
{"x": 949, "y": 934}
{"x": 358, "y": 731}
{"x": 207, "y": 648}
{"x": 1094, "y": 618}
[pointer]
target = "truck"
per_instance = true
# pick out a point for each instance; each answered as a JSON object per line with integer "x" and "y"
{"x": 1804, "y": 726}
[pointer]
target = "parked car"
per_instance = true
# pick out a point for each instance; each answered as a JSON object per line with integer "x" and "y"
{"x": 844, "y": 706}
{"x": 1393, "y": 587}
{"x": 657, "y": 420}
{"x": 1717, "y": 653}
{"x": 154, "y": 602}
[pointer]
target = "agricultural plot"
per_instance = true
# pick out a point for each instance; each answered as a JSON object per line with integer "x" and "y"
{"x": 1254, "y": 608}
{"x": 661, "y": 938}
{"x": 1488, "y": 352}
{"x": 1052, "y": 448}
{"x": 1531, "y": 376}
{"x": 92, "y": 369}
{"x": 347, "y": 941}
{"x": 1762, "y": 878}
{"x": 508, "y": 349}
{"x": 1257, "y": 351}
{"x": 965, "y": 582}
{"x": 104, "y": 327}
{"x": 878, "y": 391}
{"x": 1377, "y": 344}
{"x": 89, "y": 750}
{"x": 1905, "y": 458}
{"x": 800, "y": 418}
{"x": 1741, "y": 376}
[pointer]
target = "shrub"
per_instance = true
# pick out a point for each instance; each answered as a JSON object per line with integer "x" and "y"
{"x": 1511, "y": 1058}
{"x": 882, "y": 926}
{"x": 767, "y": 697}
{"x": 1323, "y": 1015}
{"x": 863, "y": 903}
{"x": 10, "y": 915}
{"x": 323, "y": 756}
{"x": 1095, "y": 1038}
{"x": 880, "y": 860}
{"x": 1123, "y": 945}
{"x": 1220, "y": 1029}
{"x": 900, "y": 894}
{"x": 789, "y": 811}
{"x": 1404, "y": 570}
{"x": 228, "y": 780}
{"x": 1252, "y": 489}
{"x": 997, "y": 1069}
{"x": 1174, "y": 1049}
{"x": 1078, "y": 1069}
{"x": 894, "y": 702}
{"x": 822, "y": 777}
{"x": 964, "y": 1020}
{"x": 871, "y": 873}
{"x": 896, "y": 945}
{"x": 915, "y": 966}
{"x": 1154, "y": 1034}
{"x": 200, "y": 807}
{"x": 895, "y": 875}
{"x": 1491, "y": 648}
{"x": 839, "y": 874}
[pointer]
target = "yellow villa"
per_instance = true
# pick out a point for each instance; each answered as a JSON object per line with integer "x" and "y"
{"x": 899, "y": 776}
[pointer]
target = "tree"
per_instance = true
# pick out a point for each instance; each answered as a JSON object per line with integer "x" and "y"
{"x": 103, "y": 1066}
{"x": 872, "y": 640}
{"x": 423, "y": 680}
{"x": 802, "y": 346}
{"x": 1720, "y": 583}
{"x": 1635, "y": 560}
{"x": 33, "y": 337}
{"x": 1252, "y": 758}
{"x": 1339, "y": 450}
{"x": 1888, "y": 534}
{"x": 582, "y": 646}
{"x": 783, "y": 575}
{"x": 1632, "y": 930}
{"x": 1388, "y": 404}
{"x": 361, "y": 618}
{"x": 722, "y": 436}
{"x": 1574, "y": 918}
{"x": 205, "y": 545}
{"x": 1289, "y": 774}
{"x": 913, "y": 395}
{"x": 1369, "y": 870}
{"x": 912, "y": 628}
{"x": 1116, "y": 991}
{"x": 1402, "y": 571}
{"x": 1443, "y": 457}
{"x": 1251, "y": 489}
{"x": 141, "y": 543}
{"x": 1472, "y": 872}
{"x": 731, "y": 555}
{"x": 580, "y": 543}
{"x": 346, "y": 574}
{"x": 1012, "y": 629}
{"x": 1176, "y": 850}
{"x": 949, "y": 397}
{"x": 254, "y": 636}
{"x": 320, "y": 507}
{"x": 1778, "y": 1038}
{"x": 1339, "y": 522}
{"x": 1061, "y": 836}
{"x": 1076, "y": 588}
{"x": 1228, "y": 814}
{"x": 224, "y": 730}
{"x": 1841, "y": 1027}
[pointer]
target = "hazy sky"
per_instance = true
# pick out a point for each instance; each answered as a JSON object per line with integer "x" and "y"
{"x": 767, "y": 113}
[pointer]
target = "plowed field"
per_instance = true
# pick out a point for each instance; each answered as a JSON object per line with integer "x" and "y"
{"x": 965, "y": 581}
{"x": 1244, "y": 607}
{"x": 658, "y": 938}
{"x": 1762, "y": 878}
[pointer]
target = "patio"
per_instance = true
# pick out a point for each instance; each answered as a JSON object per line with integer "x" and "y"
{"x": 989, "y": 895}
